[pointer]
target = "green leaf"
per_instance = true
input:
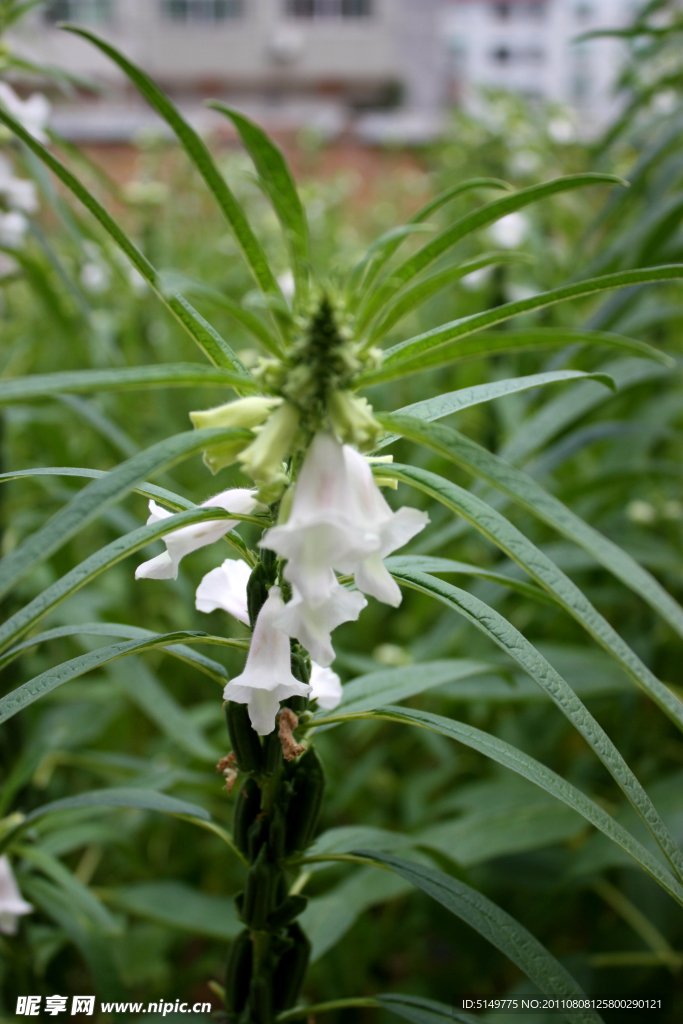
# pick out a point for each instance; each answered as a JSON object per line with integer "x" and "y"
{"x": 348, "y": 837}
{"x": 213, "y": 669}
{"x": 482, "y": 217}
{"x": 84, "y": 899}
{"x": 482, "y": 345}
{"x": 543, "y": 570}
{"x": 426, "y": 563}
{"x": 49, "y": 680}
{"x": 279, "y": 183}
{"x": 143, "y": 688}
{"x": 214, "y": 347}
{"x": 409, "y": 299}
{"x": 494, "y": 924}
{"x": 101, "y": 495}
{"x": 199, "y": 153}
{"x": 530, "y": 495}
{"x": 130, "y": 378}
{"x": 138, "y": 799}
{"x": 147, "y": 490}
{"x": 381, "y": 251}
{"x": 423, "y": 1011}
{"x": 177, "y": 905}
{"x": 438, "y": 336}
{"x": 390, "y": 685}
{"x": 454, "y": 401}
{"x": 504, "y": 635}
{"x": 517, "y": 761}
{"x": 23, "y": 620}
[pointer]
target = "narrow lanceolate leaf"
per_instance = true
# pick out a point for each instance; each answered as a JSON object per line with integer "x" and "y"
{"x": 211, "y": 668}
{"x": 517, "y": 761}
{"x": 381, "y": 251}
{"x": 526, "y": 492}
{"x": 482, "y": 345}
{"x": 507, "y": 638}
{"x": 130, "y": 378}
{"x": 449, "y": 332}
{"x": 423, "y": 1011}
{"x": 199, "y": 153}
{"x": 454, "y": 401}
{"x": 101, "y": 494}
{"x": 480, "y": 218}
{"x": 426, "y": 563}
{"x": 497, "y": 926}
{"x": 47, "y": 681}
{"x": 13, "y": 628}
{"x": 543, "y": 570}
{"x": 279, "y": 184}
{"x": 147, "y": 490}
{"x": 209, "y": 340}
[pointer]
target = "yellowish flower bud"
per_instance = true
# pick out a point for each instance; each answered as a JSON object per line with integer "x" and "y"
{"x": 246, "y": 413}
{"x": 352, "y": 420}
{"x": 263, "y": 459}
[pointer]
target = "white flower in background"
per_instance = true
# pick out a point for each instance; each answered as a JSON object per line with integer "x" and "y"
{"x": 267, "y": 678}
{"x": 13, "y": 227}
{"x": 286, "y": 282}
{"x": 18, "y": 193}
{"x": 190, "y": 538}
{"x": 312, "y": 622}
{"x": 510, "y": 231}
{"x": 326, "y": 687}
{"x": 32, "y": 114}
{"x": 561, "y": 130}
{"x": 12, "y": 906}
{"x": 95, "y": 277}
{"x": 225, "y": 588}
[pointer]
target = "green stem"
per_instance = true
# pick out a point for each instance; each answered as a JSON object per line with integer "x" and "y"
{"x": 338, "y": 1004}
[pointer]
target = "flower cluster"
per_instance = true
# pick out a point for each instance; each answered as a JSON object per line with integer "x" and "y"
{"x": 18, "y": 196}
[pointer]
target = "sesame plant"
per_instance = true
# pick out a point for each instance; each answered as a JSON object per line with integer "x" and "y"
{"x": 309, "y": 427}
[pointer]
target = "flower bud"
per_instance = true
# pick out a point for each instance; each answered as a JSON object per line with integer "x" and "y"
{"x": 352, "y": 420}
{"x": 262, "y": 460}
{"x": 246, "y": 413}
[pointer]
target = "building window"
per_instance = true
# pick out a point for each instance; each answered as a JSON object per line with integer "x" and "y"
{"x": 202, "y": 10}
{"x": 329, "y": 8}
{"x": 87, "y": 12}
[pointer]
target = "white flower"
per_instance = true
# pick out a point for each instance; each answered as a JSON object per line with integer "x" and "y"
{"x": 95, "y": 277}
{"x": 267, "y": 678}
{"x": 12, "y": 905}
{"x": 339, "y": 520}
{"x": 13, "y": 227}
{"x": 312, "y": 622}
{"x": 19, "y": 194}
{"x": 326, "y": 687}
{"x": 226, "y": 588}
{"x": 32, "y": 114}
{"x": 190, "y": 538}
{"x": 510, "y": 231}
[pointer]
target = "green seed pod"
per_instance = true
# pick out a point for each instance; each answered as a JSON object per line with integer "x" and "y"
{"x": 245, "y": 742}
{"x": 257, "y": 591}
{"x": 272, "y": 753}
{"x": 308, "y": 787}
{"x": 256, "y": 837}
{"x": 277, "y": 834}
{"x": 287, "y": 911}
{"x": 259, "y": 892}
{"x": 261, "y": 994}
{"x": 291, "y": 970}
{"x": 238, "y": 972}
{"x": 247, "y": 806}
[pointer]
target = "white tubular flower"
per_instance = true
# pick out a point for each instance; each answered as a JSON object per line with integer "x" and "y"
{"x": 226, "y": 588}
{"x": 339, "y": 520}
{"x": 12, "y": 906}
{"x": 312, "y": 622}
{"x": 267, "y": 678}
{"x": 32, "y": 114}
{"x": 326, "y": 687}
{"x": 13, "y": 228}
{"x": 19, "y": 193}
{"x": 190, "y": 538}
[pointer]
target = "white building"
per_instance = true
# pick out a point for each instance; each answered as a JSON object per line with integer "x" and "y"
{"x": 528, "y": 46}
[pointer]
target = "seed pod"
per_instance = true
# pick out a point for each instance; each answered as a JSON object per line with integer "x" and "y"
{"x": 256, "y": 837}
{"x": 261, "y": 994}
{"x": 245, "y": 742}
{"x": 308, "y": 787}
{"x": 257, "y": 591}
{"x": 247, "y": 806}
{"x": 291, "y": 970}
{"x": 238, "y": 972}
{"x": 259, "y": 892}
{"x": 287, "y": 911}
{"x": 277, "y": 834}
{"x": 272, "y": 753}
